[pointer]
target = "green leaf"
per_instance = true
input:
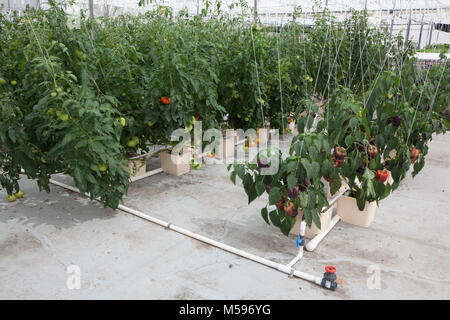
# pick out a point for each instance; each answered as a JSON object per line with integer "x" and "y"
{"x": 316, "y": 218}
{"x": 286, "y": 224}
{"x": 361, "y": 201}
{"x": 379, "y": 141}
{"x": 247, "y": 182}
{"x": 314, "y": 171}
{"x": 292, "y": 181}
{"x": 311, "y": 199}
{"x": 252, "y": 194}
{"x": 265, "y": 215}
{"x": 308, "y": 216}
{"x": 348, "y": 140}
{"x": 303, "y": 199}
{"x": 260, "y": 187}
{"x": 233, "y": 177}
{"x": 379, "y": 188}
{"x": 335, "y": 186}
{"x": 274, "y": 195}
{"x": 418, "y": 165}
{"x": 306, "y": 164}
{"x": 346, "y": 169}
{"x": 274, "y": 218}
{"x": 240, "y": 171}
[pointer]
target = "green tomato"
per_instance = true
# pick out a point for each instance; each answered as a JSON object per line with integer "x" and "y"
{"x": 64, "y": 117}
{"x": 198, "y": 166}
{"x": 19, "y": 194}
{"x": 123, "y": 121}
{"x": 11, "y": 198}
{"x": 133, "y": 142}
{"x": 195, "y": 164}
{"x": 149, "y": 123}
{"x": 13, "y": 83}
{"x": 102, "y": 167}
{"x": 142, "y": 97}
{"x": 59, "y": 90}
{"x": 53, "y": 94}
{"x": 245, "y": 148}
{"x": 2, "y": 81}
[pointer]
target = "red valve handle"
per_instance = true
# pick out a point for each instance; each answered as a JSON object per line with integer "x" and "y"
{"x": 330, "y": 269}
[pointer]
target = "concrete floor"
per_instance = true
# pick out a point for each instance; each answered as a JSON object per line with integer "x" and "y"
{"x": 124, "y": 257}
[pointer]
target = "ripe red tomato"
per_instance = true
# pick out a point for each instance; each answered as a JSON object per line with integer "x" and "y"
{"x": 165, "y": 100}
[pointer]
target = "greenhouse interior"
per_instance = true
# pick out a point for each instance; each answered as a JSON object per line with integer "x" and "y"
{"x": 224, "y": 150}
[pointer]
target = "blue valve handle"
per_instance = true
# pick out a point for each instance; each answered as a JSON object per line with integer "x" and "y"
{"x": 300, "y": 241}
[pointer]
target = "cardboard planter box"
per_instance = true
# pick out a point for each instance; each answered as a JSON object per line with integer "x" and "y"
{"x": 226, "y": 148}
{"x": 176, "y": 164}
{"x": 137, "y": 167}
{"x": 325, "y": 220}
{"x": 348, "y": 210}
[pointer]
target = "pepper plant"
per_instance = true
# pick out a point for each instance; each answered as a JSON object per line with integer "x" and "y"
{"x": 292, "y": 183}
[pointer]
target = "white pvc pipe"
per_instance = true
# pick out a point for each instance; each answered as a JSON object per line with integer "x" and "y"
{"x": 312, "y": 244}
{"x": 278, "y": 266}
{"x": 340, "y": 194}
{"x": 147, "y": 174}
{"x": 300, "y": 249}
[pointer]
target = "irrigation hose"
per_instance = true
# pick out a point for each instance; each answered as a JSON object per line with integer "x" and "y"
{"x": 274, "y": 265}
